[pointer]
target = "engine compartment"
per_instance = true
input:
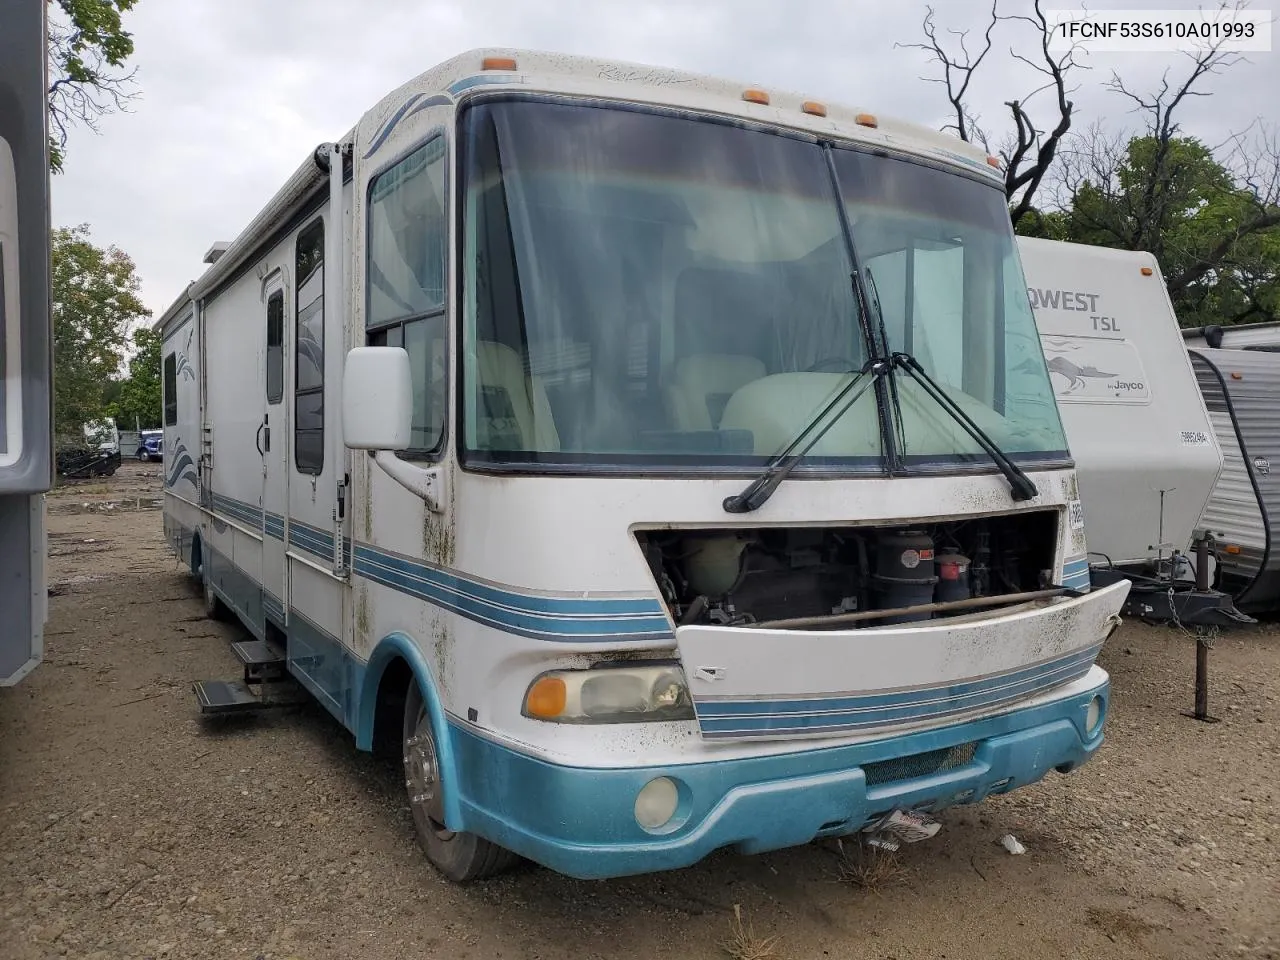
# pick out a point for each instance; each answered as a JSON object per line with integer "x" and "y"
{"x": 856, "y": 575}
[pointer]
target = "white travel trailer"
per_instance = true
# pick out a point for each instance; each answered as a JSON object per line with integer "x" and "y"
{"x": 1238, "y": 367}
{"x": 624, "y": 449}
{"x": 1145, "y": 450}
{"x": 1242, "y": 390}
{"x": 26, "y": 364}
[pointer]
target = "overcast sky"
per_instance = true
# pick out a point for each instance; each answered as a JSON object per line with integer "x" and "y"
{"x": 234, "y": 94}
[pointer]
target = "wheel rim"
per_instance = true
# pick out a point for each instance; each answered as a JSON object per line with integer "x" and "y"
{"x": 422, "y": 776}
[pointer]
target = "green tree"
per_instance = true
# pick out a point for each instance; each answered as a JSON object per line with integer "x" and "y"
{"x": 95, "y": 302}
{"x": 1213, "y": 224}
{"x": 88, "y": 48}
{"x": 138, "y": 400}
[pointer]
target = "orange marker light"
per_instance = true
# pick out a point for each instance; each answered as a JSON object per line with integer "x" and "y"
{"x": 546, "y": 698}
{"x": 1233, "y": 549}
{"x": 993, "y": 162}
{"x": 755, "y": 96}
{"x": 498, "y": 63}
{"x": 866, "y": 120}
{"x": 1237, "y": 376}
{"x": 1147, "y": 271}
{"x": 814, "y": 107}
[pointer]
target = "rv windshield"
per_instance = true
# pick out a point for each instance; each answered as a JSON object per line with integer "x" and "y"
{"x": 644, "y": 289}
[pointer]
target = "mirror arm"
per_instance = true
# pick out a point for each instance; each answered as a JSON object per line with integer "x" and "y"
{"x": 426, "y": 484}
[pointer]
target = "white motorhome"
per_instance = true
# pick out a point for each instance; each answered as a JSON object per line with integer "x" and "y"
{"x": 637, "y": 455}
{"x": 26, "y": 355}
{"x": 1145, "y": 449}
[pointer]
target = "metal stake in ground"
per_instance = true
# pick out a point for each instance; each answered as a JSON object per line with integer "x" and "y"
{"x": 1204, "y": 640}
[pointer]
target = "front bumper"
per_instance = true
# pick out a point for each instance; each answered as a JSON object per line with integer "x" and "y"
{"x": 580, "y": 821}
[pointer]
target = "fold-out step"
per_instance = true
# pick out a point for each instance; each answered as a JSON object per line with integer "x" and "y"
{"x": 263, "y": 663}
{"x": 226, "y": 696}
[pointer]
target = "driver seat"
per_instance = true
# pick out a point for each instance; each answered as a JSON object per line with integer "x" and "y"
{"x": 702, "y": 384}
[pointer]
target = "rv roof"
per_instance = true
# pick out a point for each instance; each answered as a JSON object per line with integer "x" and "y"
{"x": 556, "y": 72}
{"x": 587, "y": 76}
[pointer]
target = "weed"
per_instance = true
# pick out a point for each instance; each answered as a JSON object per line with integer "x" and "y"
{"x": 870, "y": 868}
{"x": 743, "y": 944}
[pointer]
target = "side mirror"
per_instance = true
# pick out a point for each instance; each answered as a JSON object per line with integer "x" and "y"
{"x": 377, "y": 399}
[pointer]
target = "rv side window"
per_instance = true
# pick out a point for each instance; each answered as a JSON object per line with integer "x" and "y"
{"x": 308, "y": 351}
{"x": 170, "y": 390}
{"x": 275, "y": 347}
{"x": 406, "y": 280}
{"x": 407, "y": 237}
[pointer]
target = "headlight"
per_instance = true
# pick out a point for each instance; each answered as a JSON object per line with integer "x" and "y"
{"x": 611, "y": 694}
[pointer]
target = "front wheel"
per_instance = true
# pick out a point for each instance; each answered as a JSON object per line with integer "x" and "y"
{"x": 462, "y": 857}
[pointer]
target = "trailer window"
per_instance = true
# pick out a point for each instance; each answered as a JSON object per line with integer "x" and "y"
{"x": 308, "y": 411}
{"x": 170, "y": 390}
{"x": 407, "y": 234}
{"x": 406, "y": 268}
{"x": 275, "y": 347}
{"x": 424, "y": 340}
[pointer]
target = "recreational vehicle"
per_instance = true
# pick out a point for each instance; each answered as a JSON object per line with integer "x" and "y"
{"x": 1242, "y": 390}
{"x": 1238, "y": 368}
{"x": 26, "y": 443}
{"x": 653, "y": 464}
{"x": 1146, "y": 454}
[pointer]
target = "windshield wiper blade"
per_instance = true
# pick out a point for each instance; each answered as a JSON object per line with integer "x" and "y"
{"x": 761, "y": 488}
{"x": 1021, "y": 486}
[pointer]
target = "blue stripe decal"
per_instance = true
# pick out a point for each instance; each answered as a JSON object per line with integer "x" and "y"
{"x": 1076, "y": 573}
{"x": 562, "y": 606}
{"x": 467, "y": 83}
{"x": 817, "y": 715}
{"x": 390, "y": 125}
{"x": 590, "y": 625}
{"x": 571, "y": 619}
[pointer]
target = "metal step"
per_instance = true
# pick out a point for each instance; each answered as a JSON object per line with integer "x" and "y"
{"x": 263, "y": 663}
{"x": 225, "y": 696}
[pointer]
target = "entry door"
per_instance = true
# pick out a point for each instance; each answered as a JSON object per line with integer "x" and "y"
{"x": 273, "y": 443}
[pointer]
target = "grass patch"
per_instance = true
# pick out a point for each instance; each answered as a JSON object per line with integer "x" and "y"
{"x": 743, "y": 944}
{"x": 870, "y": 868}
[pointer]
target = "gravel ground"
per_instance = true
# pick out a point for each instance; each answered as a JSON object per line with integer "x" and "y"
{"x": 130, "y": 829}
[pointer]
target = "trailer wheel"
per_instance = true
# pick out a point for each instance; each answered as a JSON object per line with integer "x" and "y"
{"x": 462, "y": 857}
{"x": 214, "y": 608}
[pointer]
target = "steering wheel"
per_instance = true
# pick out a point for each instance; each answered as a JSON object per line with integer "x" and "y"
{"x": 846, "y": 365}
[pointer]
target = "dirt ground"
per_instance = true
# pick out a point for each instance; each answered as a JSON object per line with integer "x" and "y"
{"x": 130, "y": 829}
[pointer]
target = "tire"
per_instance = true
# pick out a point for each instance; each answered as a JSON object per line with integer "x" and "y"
{"x": 214, "y": 608}
{"x": 461, "y": 857}
{"x": 142, "y": 455}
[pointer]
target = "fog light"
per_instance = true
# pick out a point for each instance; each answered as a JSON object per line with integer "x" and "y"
{"x": 1093, "y": 716}
{"x": 656, "y": 803}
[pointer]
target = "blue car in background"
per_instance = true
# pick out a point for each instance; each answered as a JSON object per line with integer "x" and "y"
{"x": 151, "y": 445}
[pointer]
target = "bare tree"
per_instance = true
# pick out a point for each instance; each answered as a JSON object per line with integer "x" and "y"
{"x": 1029, "y": 150}
{"x": 88, "y": 47}
{"x": 1137, "y": 200}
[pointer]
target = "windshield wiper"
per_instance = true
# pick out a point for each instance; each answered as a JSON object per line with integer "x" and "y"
{"x": 1021, "y": 486}
{"x": 761, "y": 488}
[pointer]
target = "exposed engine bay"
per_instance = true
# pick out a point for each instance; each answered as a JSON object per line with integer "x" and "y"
{"x": 863, "y": 576}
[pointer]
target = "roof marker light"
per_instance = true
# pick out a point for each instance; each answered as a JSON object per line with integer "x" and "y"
{"x": 755, "y": 96}
{"x": 498, "y": 63}
{"x": 814, "y": 107}
{"x": 993, "y": 162}
{"x": 1147, "y": 271}
{"x": 866, "y": 120}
